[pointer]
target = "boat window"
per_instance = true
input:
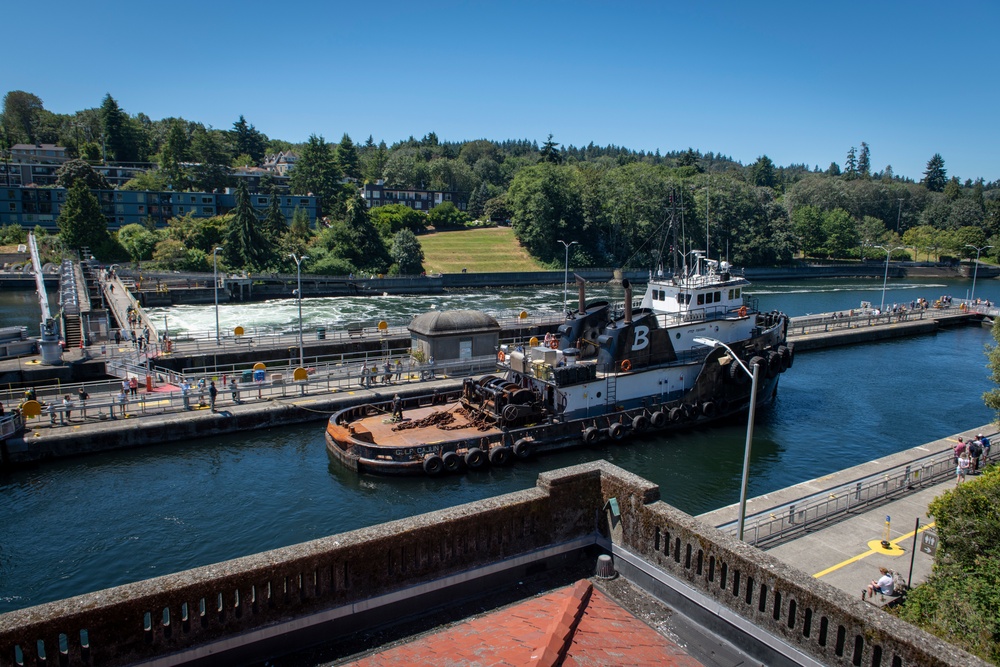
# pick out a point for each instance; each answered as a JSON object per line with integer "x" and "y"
{"x": 718, "y": 297}
{"x": 701, "y": 299}
{"x": 663, "y": 295}
{"x": 737, "y": 292}
{"x": 730, "y": 295}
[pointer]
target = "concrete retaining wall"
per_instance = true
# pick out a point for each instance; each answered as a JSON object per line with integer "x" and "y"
{"x": 339, "y": 577}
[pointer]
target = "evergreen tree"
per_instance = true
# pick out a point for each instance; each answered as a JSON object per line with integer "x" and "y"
{"x": 172, "y": 154}
{"x": 118, "y": 136}
{"x": 550, "y": 152}
{"x": 347, "y": 158}
{"x": 248, "y": 140}
{"x": 762, "y": 172}
{"x": 935, "y": 177}
{"x": 245, "y": 244}
{"x": 406, "y": 253}
{"x": 864, "y": 162}
{"x": 851, "y": 166}
{"x": 833, "y": 169}
{"x": 81, "y": 221}
{"x": 316, "y": 172}
{"x": 20, "y": 116}
{"x": 274, "y": 226}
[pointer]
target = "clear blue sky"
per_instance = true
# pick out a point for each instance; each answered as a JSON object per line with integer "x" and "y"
{"x": 800, "y": 81}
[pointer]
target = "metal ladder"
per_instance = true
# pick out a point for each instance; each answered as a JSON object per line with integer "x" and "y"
{"x": 611, "y": 393}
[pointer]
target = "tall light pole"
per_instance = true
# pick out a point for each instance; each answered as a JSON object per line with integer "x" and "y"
{"x": 215, "y": 276}
{"x": 712, "y": 342}
{"x": 298, "y": 266}
{"x": 566, "y": 274}
{"x": 976, "y": 271}
{"x": 888, "y": 253}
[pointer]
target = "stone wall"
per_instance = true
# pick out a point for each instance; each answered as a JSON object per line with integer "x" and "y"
{"x": 341, "y": 576}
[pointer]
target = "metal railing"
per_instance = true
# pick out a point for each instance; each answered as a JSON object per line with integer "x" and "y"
{"x": 786, "y": 520}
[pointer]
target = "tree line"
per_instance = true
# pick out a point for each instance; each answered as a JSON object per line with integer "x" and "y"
{"x": 619, "y": 203}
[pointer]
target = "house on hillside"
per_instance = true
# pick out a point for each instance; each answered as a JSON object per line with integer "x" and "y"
{"x": 379, "y": 194}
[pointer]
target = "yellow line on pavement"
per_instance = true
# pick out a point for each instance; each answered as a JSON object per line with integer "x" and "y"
{"x": 855, "y": 559}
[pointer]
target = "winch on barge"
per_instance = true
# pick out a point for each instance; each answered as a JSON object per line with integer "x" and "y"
{"x": 611, "y": 371}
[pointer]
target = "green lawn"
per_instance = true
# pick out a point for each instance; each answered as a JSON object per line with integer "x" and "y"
{"x": 492, "y": 249}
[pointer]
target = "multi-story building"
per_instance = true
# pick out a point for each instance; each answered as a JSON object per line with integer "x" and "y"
{"x": 379, "y": 194}
{"x": 29, "y": 207}
{"x": 281, "y": 163}
{"x": 38, "y": 153}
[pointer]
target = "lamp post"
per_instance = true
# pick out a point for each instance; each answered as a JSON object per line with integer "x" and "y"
{"x": 215, "y": 276}
{"x": 888, "y": 253}
{"x": 978, "y": 250}
{"x": 298, "y": 292}
{"x": 712, "y": 342}
{"x": 566, "y": 274}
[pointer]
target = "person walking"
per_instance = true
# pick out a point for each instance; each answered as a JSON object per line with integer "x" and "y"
{"x": 397, "y": 408}
{"x": 964, "y": 464}
{"x": 234, "y": 389}
{"x": 212, "y": 394}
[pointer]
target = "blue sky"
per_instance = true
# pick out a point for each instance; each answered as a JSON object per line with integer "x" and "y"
{"x": 799, "y": 81}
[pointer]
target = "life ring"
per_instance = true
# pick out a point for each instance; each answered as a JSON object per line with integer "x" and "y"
{"x": 554, "y": 344}
{"x": 501, "y": 357}
{"x": 742, "y": 312}
{"x": 626, "y": 365}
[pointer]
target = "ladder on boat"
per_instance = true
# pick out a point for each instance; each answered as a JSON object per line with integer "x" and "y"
{"x": 611, "y": 393}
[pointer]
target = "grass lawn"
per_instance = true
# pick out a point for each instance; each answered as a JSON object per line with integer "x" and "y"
{"x": 492, "y": 249}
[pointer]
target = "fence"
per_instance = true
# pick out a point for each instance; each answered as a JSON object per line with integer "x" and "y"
{"x": 783, "y": 521}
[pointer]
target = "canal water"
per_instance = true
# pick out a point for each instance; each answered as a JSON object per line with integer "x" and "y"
{"x": 80, "y": 525}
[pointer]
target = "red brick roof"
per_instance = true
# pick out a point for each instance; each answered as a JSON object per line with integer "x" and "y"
{"x": 576, "y": 626}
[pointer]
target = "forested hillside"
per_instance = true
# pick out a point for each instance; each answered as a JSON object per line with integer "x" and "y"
{"x": 615, "y": 201}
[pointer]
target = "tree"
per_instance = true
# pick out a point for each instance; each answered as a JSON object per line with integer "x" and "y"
{"x": 373, "y": 162}
{"x": 274, "y": 226}
{"x": 249, "y": 141}
{"x": 406, "y": 253}
{"x": 807, "y": 221}
{"x": 207, "y": 148}
{"x": 172, "y": 154}
{"x": 138, "y": 241}
{"x": 546, "y": 204}
{"x": 833, "y": 169}
{"x": 81, "y": 221}
{"x": 935, "y": 177}
{"x": 20, "y": 118}
{"x": 77, "y": 170}
{"x": 762, "y": 172}
{"x": 550, "y": 152}
{"x": 392, "y": 218}
{"x": 840, "y": 232}
{"x": 851, "y": 166}
{"x": 316, "y": 172}
{"x": 119, "y": 138}
{"x": 245, "y": 245}
{"x": 346, "y": 156}
{"x": 864, "y": 162}
{"x": 356, "y": 241}
{"x": 445, "y": 215}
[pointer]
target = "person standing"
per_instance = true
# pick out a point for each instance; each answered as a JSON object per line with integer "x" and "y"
{"x": 960, "y": 447}
{"x": 83, "y": 396}
{"x": 234, "y": 389}
{"x": 964, "y": 463}
{"x": 985, "y": 442}
{"x": 133, "y": 386}
{"x": 212, "y": 394}
{"x": 67, "y": 413}
{"x": 975, "y": 452}
{"x": 186, "y": 394}
{"x": 387, "y": 377}
{"x": 122, "y": 402}
{"x": 399, "y": 369}
{"x": 397, "y": 408}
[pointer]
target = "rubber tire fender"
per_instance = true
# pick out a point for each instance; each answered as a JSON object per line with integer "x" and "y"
{"x": 452, "y": 461}
{"x": 773, "y": 364}
{"x": 523, "y": 448}
{"x": 791, "y": 354}
{"x": 500, "y": 456}
{"x": 676, "y": 415}
{"x": 433, "y": 465}
{"x": 709, "y": 409}
{"x": 785, "y": 356}
{"x": 616, "y": 431}
{"x": 658, "y": 419}
{"x": 591, "y": 434}
{"x": 757, "y": 361}
{"x": 475, "y": 458}
{"x": 640, "y": 423}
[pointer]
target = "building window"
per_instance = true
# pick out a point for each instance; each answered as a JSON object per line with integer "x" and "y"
{"x": 206, "y": 200}
{"x": 447, "y": 196}
{"x": 13, "y": 207}
{"x": 303, "y": 202}
{"x": 417, "y": 204}
{"x": 180, "y": 209}
{"x": 192, "y": 199}
{"x": 262, "y": 201}
{"x": 142, "y": 209}
{"x": 208, "y": 209}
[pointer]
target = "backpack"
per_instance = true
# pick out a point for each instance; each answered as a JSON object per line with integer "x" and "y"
{"x": 975, "y": 448}
{"x": 985, "y": 441}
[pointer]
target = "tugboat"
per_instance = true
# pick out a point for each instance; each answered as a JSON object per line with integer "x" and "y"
{"x": 663, "y": 363}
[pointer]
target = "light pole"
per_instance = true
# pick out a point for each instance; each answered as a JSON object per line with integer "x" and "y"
{"x": 712, "y": 342}
{"x": 566, "y": 274}
{"x": 888, "y": 253}
{"x": 976, "y": 271}
{"x": 215, "y": 276}
{"x": 298, "y": 266}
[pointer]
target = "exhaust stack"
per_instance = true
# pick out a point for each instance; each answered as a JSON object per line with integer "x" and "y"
{"x": 628, "y": 301}
{"x": 580, "y": 283}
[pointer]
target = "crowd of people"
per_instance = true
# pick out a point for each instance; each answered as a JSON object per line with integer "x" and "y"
{"x": 969, "y": 456}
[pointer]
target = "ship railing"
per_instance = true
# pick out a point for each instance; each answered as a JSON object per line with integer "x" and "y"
{"x": 11, "y": 425}
{"x": 781, "y": 522}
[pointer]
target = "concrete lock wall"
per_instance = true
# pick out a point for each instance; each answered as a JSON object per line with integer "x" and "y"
{"x": 156, "y": 617}
{"x": 812, "y": 616}
{"x": 339, "y": 578}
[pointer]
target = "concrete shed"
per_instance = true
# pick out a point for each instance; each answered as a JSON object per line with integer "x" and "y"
{"x": 454, "y": 334}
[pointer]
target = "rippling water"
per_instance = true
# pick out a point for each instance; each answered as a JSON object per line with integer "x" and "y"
{"x": 80, "y": 525}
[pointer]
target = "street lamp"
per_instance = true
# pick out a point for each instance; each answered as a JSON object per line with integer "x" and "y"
{"x": 566, "y": 274}
{"x": 888, "y": 254}
{"x": 712, "y": 342}
{"x": 298, "y": 266}
{"x": 976, "y": 271}
{"x": 215, "y": 276}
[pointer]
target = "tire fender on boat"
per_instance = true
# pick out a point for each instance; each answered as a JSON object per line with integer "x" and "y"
{"x": 757, "y": 361}
{"x": 475, "y": 458}
{"x": 433, "y": 465}
{"x": 591, "y": 434}
{"x": 791, "y": 353}
{"x": 500, "y": 455}
{"x": 640, "y": 423}
{"x": 676, "y": 414}
{"x": 452, "y": 461}
{"x": 616, "y": 431}
{"x": 709, "y": 409}
{"x": 658, "y": 419}
{"x": 523, "y": 448}
{"x": 773, "y": 364}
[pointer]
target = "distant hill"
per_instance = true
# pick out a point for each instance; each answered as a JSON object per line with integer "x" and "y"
{"x": 492, "y": 249}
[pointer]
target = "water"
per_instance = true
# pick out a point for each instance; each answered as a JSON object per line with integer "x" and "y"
{"x": 80, "y": 525}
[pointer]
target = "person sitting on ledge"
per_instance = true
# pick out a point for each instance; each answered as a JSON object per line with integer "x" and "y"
{"x": 883, "y": 585}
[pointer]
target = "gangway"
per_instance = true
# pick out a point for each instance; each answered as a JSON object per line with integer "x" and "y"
{"x": 49, "y": 346}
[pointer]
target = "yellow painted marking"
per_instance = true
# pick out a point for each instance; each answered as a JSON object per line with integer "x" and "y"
{"x": 877, "y": 550}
